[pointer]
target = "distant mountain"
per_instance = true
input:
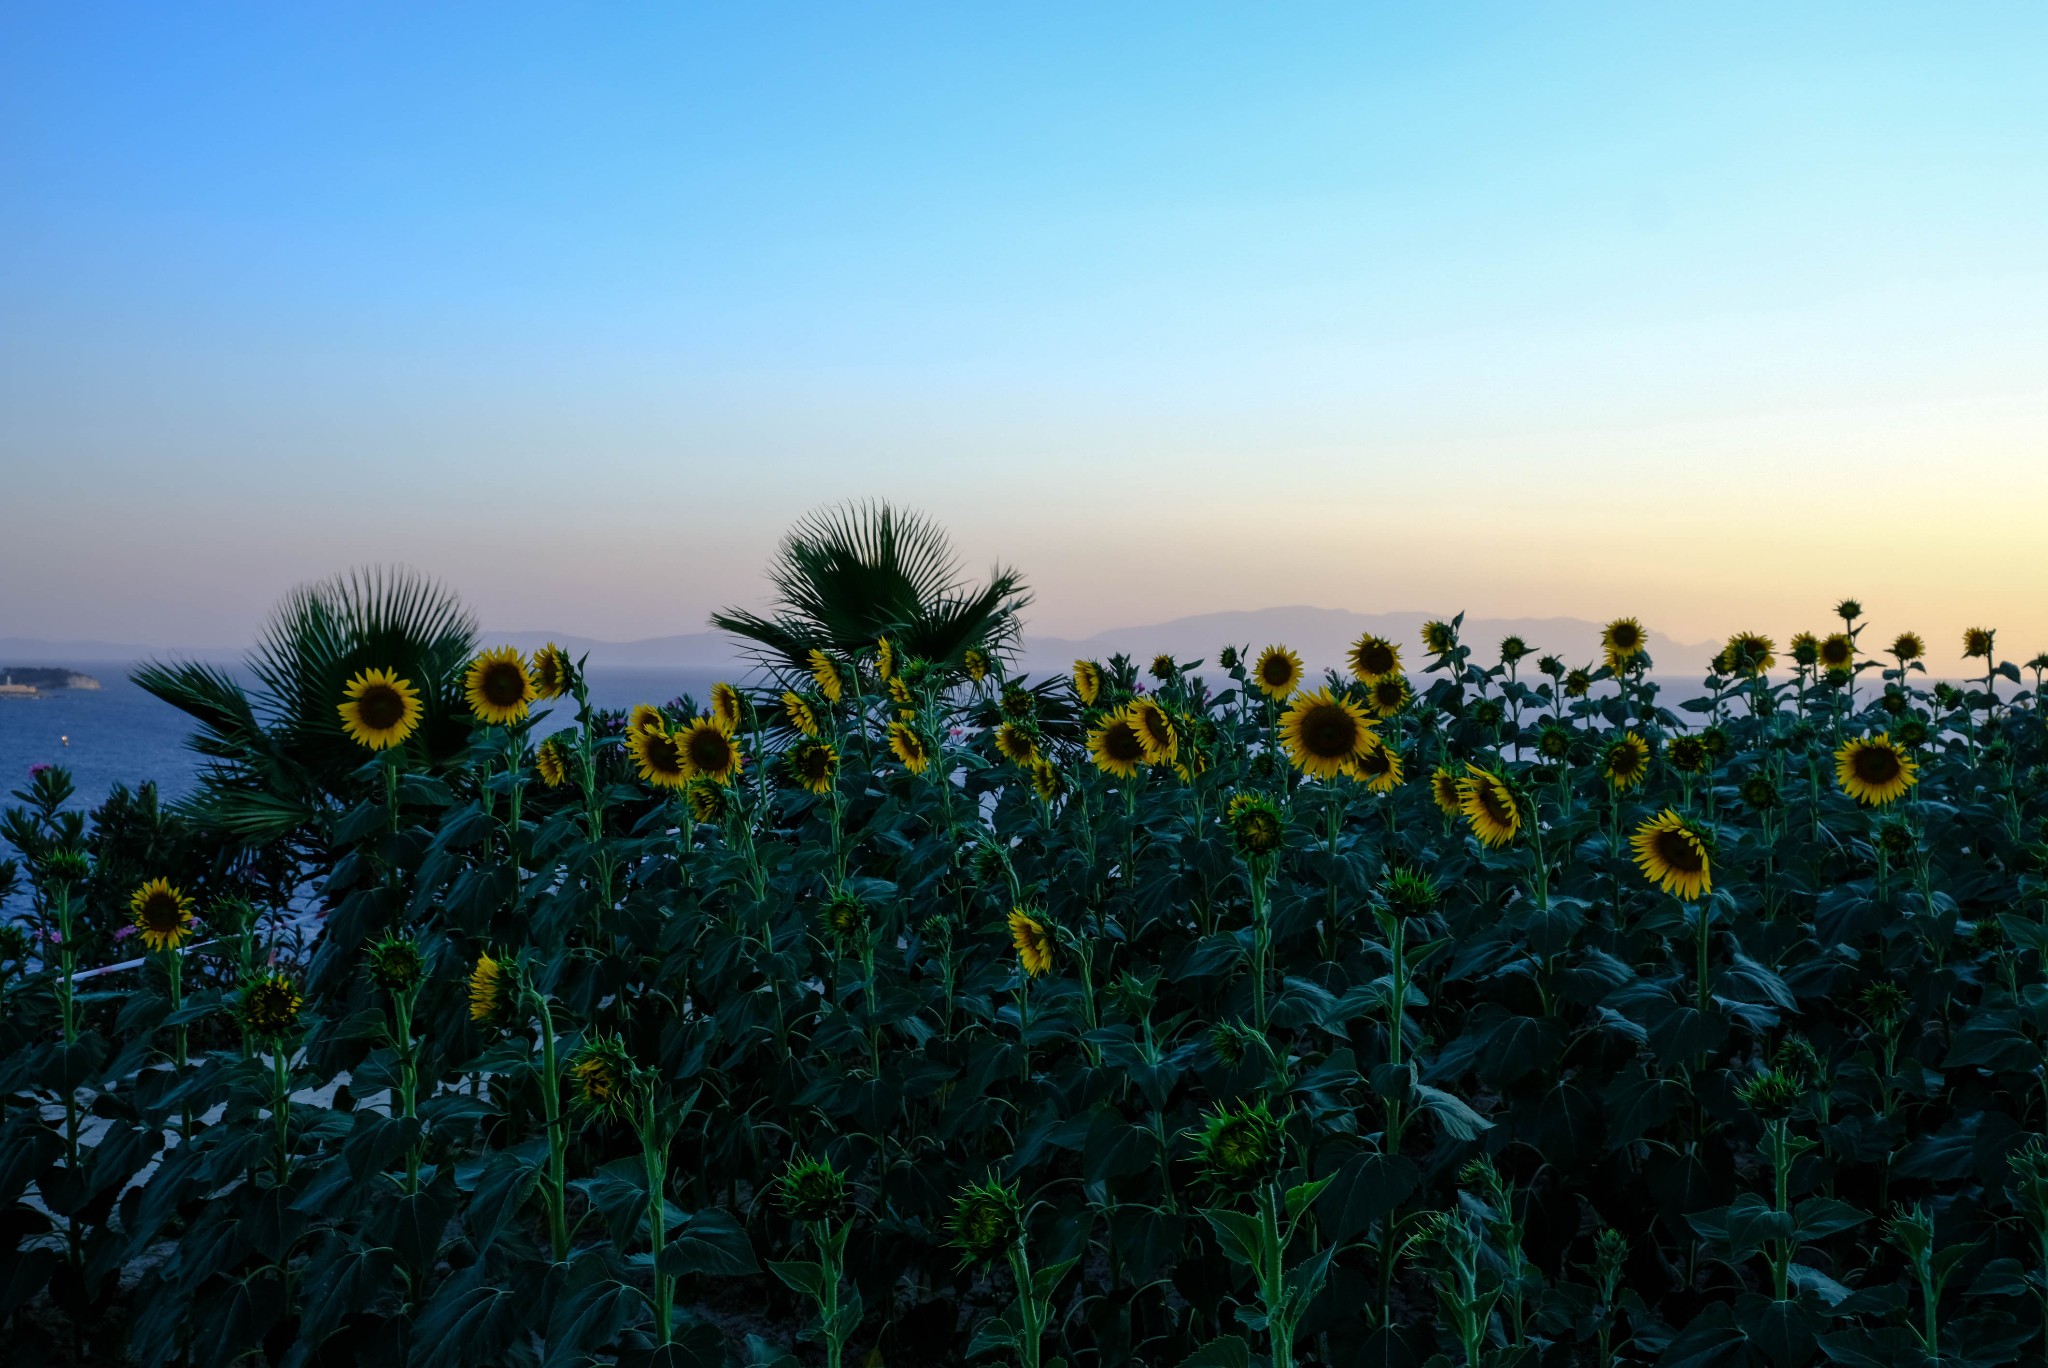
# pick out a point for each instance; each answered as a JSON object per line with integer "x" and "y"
{"x": 41, "y": 651}
{"x": 689, "y": 651}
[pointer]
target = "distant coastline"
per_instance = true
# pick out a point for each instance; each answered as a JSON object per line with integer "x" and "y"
{"x": 36, "y": 681}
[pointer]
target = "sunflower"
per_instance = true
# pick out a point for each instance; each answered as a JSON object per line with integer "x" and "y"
{"x": 1673, "y": 851}
{"x": 1687, "y": 754}
{"x": 1805, "y": 649}
{"x": 1278, "y": 672}
{"x": 899, "y": 694}
{"x": 1578, "y": 683}
{"x": 1627, "y": 761}
{"x": 1155, "y": 731}
{"x": 498, "y": 686}
{"x": 657, "y": 757}
{"x": 1908, "y": 646}
{"x": 1837, "y": 651}
{"x": 490, "y": 990}
{"x": 551, "y": 762}
{"x": 1033, "y": 942}
{"x": 1489, "y": 805}
{"x": 601, "y": 1075}
{"x": 708, "y": 751}
{"x": 1016, "y": 744}
{"x": 1373, "y": 657}
{"x": 909, "y": 747}
{"x": 645, "y": 717}
{"x": 706, "y": 800}
{"x": 885, "y": 659}
{"x": 725, "y": 705}
{"x": 161, "y": 914}
{"x": 1324, "y": 734}
{"x": 1087, "y": 682}
{"x": 1513, "y": 650}
{"x": 812, "y": 765}
{"x": 1116, "y": 744}
{"x": 270, "y": 1006}
{"x": 976, "y": 665}
{"x": 554, "y": 674}
{"x": 1388, "y": 694}
{"x": 1977, "y": 642}
{"x": 1748, "y": 653}
{"x": 1875, "y": 770}
{"x": 830, "y": 682}
{"x": 1256, "y": 828}
{"x": 380, "y": 709}
{"x": 1045, "y": 780}
{"x": 1163, "y": 667}
{"x": 1439, "y": 638}
{"x": 1622, "y": 640}
{"x": 1445, "y": 790}
{"x": 1379, "y": 769}
{"x": 800, "y": 713}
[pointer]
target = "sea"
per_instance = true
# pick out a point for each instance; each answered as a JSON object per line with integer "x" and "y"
{"x": 120, "y": 734}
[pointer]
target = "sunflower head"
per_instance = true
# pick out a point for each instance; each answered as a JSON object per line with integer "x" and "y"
{"x": 1229, "y": 659}
{"x": 1325, "y": 735}
{"x": 1163, "y": 667}
{"x": 1018, "y": 704}
{"x": 987, "y": 1218}
{"x": 1848, "y": 610}
{"x": 1255, "y": 825}
{"x": 603, "y": 1077}
{"x": 1772, "y": 1094}
{"x": 1908, "y": 646}
{"x": 491, "y": 991}
{"x": 1409, "y": 893}
{"x": 1087, "y": 682}
{"x": 1512, "y": 650}
{"x": 1675, "y": 853}
{"x": 800, "y": 713}
{"x": 811, "y": 765}
{"x": 1837, "y": 651}
{"x": 1687, "y": 754}
{"x": 813, "y": 1190}
{"x": 1241, "y": 1146}
{"x": 379, "y": 710}
{"x": 709, "y": 752}
{"x": 498, "y": 686}
{"x": 1046, "y": 781}
{"x": 1388, "y": 694}
{"x": 706, "y": 800}
{"x": 1627, "y": 761}
{"x": 1379, "y": 769}
{"x": 270, "y": 1006}
{"x": 657, "y": 756}
{"x": 1623, "y": 639}
{"x": 1748, "y": 654}
{"x": 1490, "y": 806}
{"x": 1033, "y": 941}
{"x": 1439, "y": 638}
{"x": 645, "y": 717}
{"x": 1446, "y": 790}
{"x": 825, "y": 671}
{"x": 1277, "y": 672}
{"x": 551, "y": 760}
{"x": 554, "y": 674}
{"x": 975, "y": 664}
{"x": 885, "y": 659}
{"x": 1875, "y": 770}
{"x": 1117, "y": 744}
{"x": 1553, "y": 742}
{"x": 1977, "y": 642}
{"x": 909, "y": 747}
{"x": 397, "y": 964}
{"x": 899, "y": 691}
{"x": 847, "y": 915}
{"x": 1805, "y": 649}
{"x": 1578, "y": 683}
{"x": 1016, "y": 744}
{"x": 726, "y": 705}
{"x": 1897, "y": 839}
{"x": 1155, "y": 730}
{"x": 1884, "y": 1002}
{"x": 1911, "y": 733}
{"x": 161, "y": 914}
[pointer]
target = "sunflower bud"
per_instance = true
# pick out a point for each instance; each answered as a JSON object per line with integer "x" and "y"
{"x": 1512, "y": 650}
{"x": 987, "y": 1219}
{"x": 1409, "y": 894}
{"x": 813, "y": 1190}
{"x": 1228, "y": 658}
{"x": 603, "y": 1076}
{"x": 1759, "y": 794}
{"x": 847, "y": 915}
{"x": 1897, "y": 839}
{"x": 1885, "y": 1004}
{"x": 270, "y": 1006}
{"x": 1241, "y": 1147}
{"x": 396, "y": 964}
{"x": 1796, "y": 1058}
{"x": 1771, "y": 1094}
{"x": 1255, "y": 827}
{"x": 66, "y": 867}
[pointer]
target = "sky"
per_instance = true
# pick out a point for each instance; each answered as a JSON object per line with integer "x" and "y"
{"x": 1709, "y": 314}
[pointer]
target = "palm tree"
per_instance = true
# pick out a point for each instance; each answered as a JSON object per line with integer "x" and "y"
{"x": 278, "y": 760}
{"x": 849, "y": 574}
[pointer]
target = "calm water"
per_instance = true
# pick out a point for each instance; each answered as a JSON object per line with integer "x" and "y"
{"x": 118, "y": 734}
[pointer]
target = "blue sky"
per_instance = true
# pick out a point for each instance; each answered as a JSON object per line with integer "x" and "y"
{"x": 1710, "y": 314}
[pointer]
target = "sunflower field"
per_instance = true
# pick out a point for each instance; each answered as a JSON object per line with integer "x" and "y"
{"x": 1458, "y": 1006}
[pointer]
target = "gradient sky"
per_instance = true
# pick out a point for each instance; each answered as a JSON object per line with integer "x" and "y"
{"x": 1708, "y": 313}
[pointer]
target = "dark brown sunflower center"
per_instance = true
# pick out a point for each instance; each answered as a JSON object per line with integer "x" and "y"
{"x": 709, "y": 749}
{"x": 1834, "y": 652}
{"x": 1376, "y": 658}
{"x": 1276, "y": 670}
{"x": 1627, "y": 761}
{"x": 1626, "y": 639}
{"x": 1376, "y": 762}
{"x": 503, "y": 684}
{"x": 160, "y": 912}
{"x": 1495, "y": 803}
{"x": 380, "y": 706}
{"x": 662, "y": 753}
{"x": 1677, "y": 851}
{"x": 817, "y": 763}
{"x": 1329, "y": 733}
{"x": 1121, "y": 742}
{"x": 1875, "y": 765}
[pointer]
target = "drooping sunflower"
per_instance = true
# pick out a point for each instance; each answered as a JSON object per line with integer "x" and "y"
{"x": 800, "y": 713}
{"x": 975, "y": 664}
{"x": 1445, "y": 791}
{"x": 909, "y": 747}
{"x": 1578, "y": 683}
{"x": 1278, "y": 672}
{"x": 1046, "y": 781}
{"x": 1087, "y": 682}
{"x": 709, "y": 752}
{"x": 1373, "y": 657}
{"x": 1675, "y": 853}
{"x": 825, "y": 671}
{"x": 270, "y": 1006}
{"x": 602, "y": 1076}
{"x": 1908, "y": 646}
{"x": 657, "y": 757}
{"x": 1164, "y": 667}
{"x": 1837, "y": 651}
{"x": 1241, "y": 1146}
{"x": 554, "y": 674}
{"x": 899, "y": 694}
{"x": 986, "y": 1221}
{"x": 885, "y": 659}
{"x": 1116, "y": 745}
{"x": 1016, "y": 744}
{"x": 1155, "y": 731}
{"x": 1380, "y": 769}
{"x": 706, "y": 800}
{"x": 490, "y": 990}
{"x": 551, "y": 761}
{"x": 1875, "y": 770}
{"x": 498, "y": 686}
{"x": 812, "y": 764}
{"x": 645, "y": 717}
{"x": 1622, "y": 640}
{"x": 1977, "y": 642}
{"x": 161, "y": 914}
{"x": 1626, "y": 762}
{"x": 1389, "y": 694}
{"x": 725, "y": 705}
{"x": 1324, "y": 734}
{"x": 1439, "y": 638}
{"x": 1749, "y": 654}
{"x": 1033, "y": 942}
{"x": 379, "y": 710}
{"x": 1489, "y": 806}
{"x": 1805, "y": 649}
{"x": 1255, "y": 824}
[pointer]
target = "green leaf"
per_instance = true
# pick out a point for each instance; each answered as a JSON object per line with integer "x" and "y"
{"x": 710, "y": 1242}
{"x": 1225, "y": 1351}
